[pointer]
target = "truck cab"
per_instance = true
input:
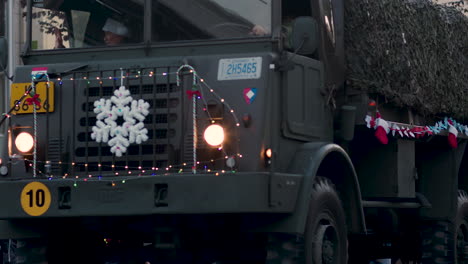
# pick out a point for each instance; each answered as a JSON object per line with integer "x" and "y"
{"x": 157, "y": 127}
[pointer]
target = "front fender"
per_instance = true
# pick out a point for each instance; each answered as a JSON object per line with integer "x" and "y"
{"x": 331, "y": 161}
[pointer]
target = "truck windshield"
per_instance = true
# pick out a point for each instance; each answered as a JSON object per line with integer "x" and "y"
{"x": 59, "y": 24}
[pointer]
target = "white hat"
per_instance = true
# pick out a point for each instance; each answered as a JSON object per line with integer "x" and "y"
{"x": 115, "y": 27}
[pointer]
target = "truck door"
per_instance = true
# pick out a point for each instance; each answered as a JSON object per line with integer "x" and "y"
{"x": 311, "y": 80}
{"x": 307, "y": 116}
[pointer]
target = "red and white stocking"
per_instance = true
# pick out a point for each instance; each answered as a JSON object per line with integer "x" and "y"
{"x": 381, "y": 130}
{"x": 452, "y": 136}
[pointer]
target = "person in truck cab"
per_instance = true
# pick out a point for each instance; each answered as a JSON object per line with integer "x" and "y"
{"x": 115, "y": 33}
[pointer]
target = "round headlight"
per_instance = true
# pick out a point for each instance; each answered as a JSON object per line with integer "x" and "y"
{"x": 24, "y": 142}
{"x": 214, "y": 135}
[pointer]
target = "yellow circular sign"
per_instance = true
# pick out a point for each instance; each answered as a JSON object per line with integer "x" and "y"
{"x": 35, "y": 198}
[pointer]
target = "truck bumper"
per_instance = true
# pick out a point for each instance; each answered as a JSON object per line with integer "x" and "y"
{"x": 165, "y": 194}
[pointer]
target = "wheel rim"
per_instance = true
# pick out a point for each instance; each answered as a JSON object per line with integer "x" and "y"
{"x": 326, "y": 244}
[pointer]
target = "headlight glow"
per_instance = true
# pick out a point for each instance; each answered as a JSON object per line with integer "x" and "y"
{"x": 268, "y": 153}
{"x": 24, "y": 142}
{"x": 214, "y": 135}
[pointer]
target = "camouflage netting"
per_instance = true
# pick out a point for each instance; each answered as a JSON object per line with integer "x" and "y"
{"x": 413, "y": 52}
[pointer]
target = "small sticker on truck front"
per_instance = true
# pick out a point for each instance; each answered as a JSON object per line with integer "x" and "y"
{"x": 239, "y": 68}
{"x": 250, "y": 94}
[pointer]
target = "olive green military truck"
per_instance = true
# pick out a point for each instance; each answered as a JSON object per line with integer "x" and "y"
{"x": 248, "y": 131}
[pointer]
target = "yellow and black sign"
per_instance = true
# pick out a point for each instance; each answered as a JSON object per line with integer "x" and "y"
{"x": 46, "y": 98}
{"x": 35, "y": 198}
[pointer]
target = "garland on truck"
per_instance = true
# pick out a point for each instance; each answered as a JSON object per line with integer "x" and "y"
{"x": 412, "y": 52}
{"x": 384, "y": 127}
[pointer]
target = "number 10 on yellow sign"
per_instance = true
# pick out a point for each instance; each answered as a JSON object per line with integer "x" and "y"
{"x": 46, "y": 98}
{"x": 35, "y": 198}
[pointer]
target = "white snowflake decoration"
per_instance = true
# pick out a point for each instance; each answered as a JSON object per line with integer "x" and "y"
{"x": 132, "y": 130}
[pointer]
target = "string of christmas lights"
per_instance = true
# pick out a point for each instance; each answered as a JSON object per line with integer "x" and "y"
{"x": 194, "y": 112}
{"x": 129, "y": 172}
{"x": 141, "y": 169}
{"x": 136, "y": 170}
{"x": 18, "y": 102}
{"x": 202, "y": 97}
{"x": 211, "y": 90}
{"x": 151, "y": 74}
{"x": 121, "y": 180}
{"x": 139, "y": 75}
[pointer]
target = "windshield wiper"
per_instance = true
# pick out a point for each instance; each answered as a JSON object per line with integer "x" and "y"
{"x": 109, "y": 7}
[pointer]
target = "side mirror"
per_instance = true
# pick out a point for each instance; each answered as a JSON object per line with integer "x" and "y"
{"x": 304, "y": 36}
{"x": 3, "y": 53}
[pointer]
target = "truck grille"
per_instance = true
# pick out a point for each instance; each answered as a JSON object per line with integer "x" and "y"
{"x": 85, "y": 156}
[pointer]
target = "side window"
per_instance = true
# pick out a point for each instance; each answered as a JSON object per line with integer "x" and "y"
{"x": 293, "y": 9}
{"x": 290, "y": 11}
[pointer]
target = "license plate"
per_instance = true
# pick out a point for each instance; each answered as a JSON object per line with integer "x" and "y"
{"x": 46, "y": 98}
{"x": 240, "y": 68}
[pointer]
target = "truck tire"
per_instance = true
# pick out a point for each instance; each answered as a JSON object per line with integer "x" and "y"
{"x": 437, "y": 242}
{"x": 462, "y": 228}
{"x": 30, "y": 251}
{"x": 445, "y": 242}
{"x": 325, "y": 237}
{"x": 326, "y": 232}
{"x": 285, "y": 248}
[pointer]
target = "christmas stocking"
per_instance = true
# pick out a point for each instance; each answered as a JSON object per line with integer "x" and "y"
{"x": 381, "y": 130}
{"x": 452, "y": 136}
